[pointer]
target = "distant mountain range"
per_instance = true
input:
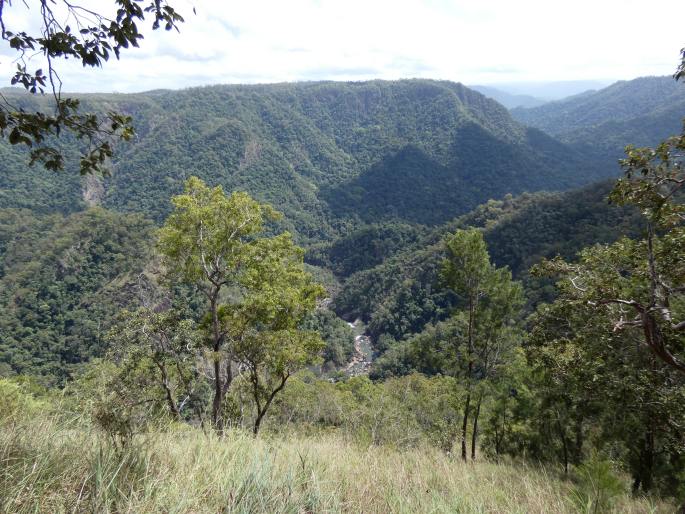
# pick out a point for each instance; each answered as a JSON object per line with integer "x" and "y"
{"x": 509, "y": 100}
{"x": 601, "y": 123}
{"x": 551, "y": 90}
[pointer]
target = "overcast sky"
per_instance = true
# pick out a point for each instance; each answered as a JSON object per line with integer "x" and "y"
{"x": 474, "y": 42}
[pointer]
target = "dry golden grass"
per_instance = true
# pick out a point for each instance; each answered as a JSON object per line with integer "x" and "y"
{"x": 51, "y": 467}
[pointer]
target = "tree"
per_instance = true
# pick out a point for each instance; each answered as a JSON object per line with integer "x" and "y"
{"x": 640, "y": 285}
{"x": 621, "y": 314}
{"x": 265, "y": 326}
{"x": 680, "y": 72}
{"x": 611, "y": 348}
{"x": 491, "y": 300}
{"x": 257, "y": 291}
{"x": 211, "y": 241}
{"x": 598, "y": 384}
{"x": 160, "y": 349}
{"x": 69, "y": 31}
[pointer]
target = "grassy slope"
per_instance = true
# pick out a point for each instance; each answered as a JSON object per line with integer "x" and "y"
{"x": 47, "y": 466}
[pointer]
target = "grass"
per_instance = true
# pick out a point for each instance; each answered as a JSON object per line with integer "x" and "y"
{"x": 51, "y": 466}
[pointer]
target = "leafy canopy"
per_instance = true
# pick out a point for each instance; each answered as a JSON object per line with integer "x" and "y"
{"x": 207, "y": 238}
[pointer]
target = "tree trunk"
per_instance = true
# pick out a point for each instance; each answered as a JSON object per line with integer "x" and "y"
{"x": 474, "y": 434}
{"x": 464, "y": 426}
{"x": 217, "y": 420}
{"x": 261, "y": 410}
{"x": 465, "y": 423}
{"x": 579, "y": 440}
{"x": 504, "y": 427}
{"x": 173, "y": 408}
{"x": 647, "y": 461}
{"x": 564, "y": 444}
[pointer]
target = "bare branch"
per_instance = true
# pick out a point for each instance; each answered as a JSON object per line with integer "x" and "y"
{"x": 573, "y": 282}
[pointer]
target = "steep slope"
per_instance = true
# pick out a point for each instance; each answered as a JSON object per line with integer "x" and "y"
{"x": 401, "y": 295}
{"x": 325, "y": 153}
{"x": 62, "y": 282}
{"x": 640, "y": 112}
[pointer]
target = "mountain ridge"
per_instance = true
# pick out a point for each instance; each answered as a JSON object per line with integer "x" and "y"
{"x": 290, "y": 143}
{"x": 600, "y": 123}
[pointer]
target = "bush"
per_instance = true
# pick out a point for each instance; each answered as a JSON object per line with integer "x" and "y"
{"x": 15, "y": 401}
{"x": 597, "y": 486}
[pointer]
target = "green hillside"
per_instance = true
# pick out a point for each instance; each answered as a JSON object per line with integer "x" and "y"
{"x": 327, "y": 154}
{"x": 401, "y": 295}
{"x": 601, "y": 123}
{"x": 62, "y": 282}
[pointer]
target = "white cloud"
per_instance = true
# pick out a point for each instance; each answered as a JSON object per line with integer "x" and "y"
{"x": 472, "y": 42}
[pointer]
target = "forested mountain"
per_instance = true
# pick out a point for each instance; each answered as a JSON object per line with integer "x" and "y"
{"x": 64, "y": 278}
{"x": 401, "y": 295}
{"x": 359, "y": 169}
{"x": 601, "y": 123}
{"x": 62, "y": 282}
{"x": 426, "y": 303}
{"x": 380, "y": 181}
{"x": 324, "y": 153}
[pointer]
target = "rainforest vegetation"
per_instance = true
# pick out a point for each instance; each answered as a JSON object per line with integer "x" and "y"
{"x": 350, "y": 297}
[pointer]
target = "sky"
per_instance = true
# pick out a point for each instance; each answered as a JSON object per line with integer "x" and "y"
{"x": 487, "y": 42}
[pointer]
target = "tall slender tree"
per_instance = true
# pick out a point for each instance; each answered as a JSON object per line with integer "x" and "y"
{"x": 212, "y": 241}
{"x": 491, "y": 301}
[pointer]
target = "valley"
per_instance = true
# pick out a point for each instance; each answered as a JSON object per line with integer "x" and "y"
{"x": 430, "y": 272}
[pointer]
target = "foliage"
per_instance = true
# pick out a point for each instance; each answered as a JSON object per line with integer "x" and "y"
{"x": 63, "y": 281}
{"x": 337, "y": 334}
{"x": 331, "y": 156}
{"x": 680, "y": 72}
{"x": 491, "y": 301}
{"x": 15, "y": 401}
{"x": 597, "y": 487}
{"x": 364, "y": 248}
{"x": 266, "y": 326}
{"x": 209, "y": 242}
{"x": 642, "y": 111}
{"x": 639, "y": 284}
{"x": 575, "y": 344}
{"x": 401, "y": 295}
{"x": 157, "y": 353}
{"x": 256, "y": 290}
{"x": 91, "y": 42}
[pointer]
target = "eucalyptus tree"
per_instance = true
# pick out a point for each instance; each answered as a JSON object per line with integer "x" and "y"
{"x": 158, "y": 350}
{"x": 265, "y": 327}
{"x": 639, "y": 285}
{"x": 212, "y": 241}
{"x": 621, "y": 312}
{"x": 492, "y": 301}
{"x": 257, "y": 291}
{"x": 680, "y": 72}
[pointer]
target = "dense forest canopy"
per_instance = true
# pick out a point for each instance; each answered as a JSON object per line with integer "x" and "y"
{"x": 324, "y": 153}
{"x": 400, "y": 264}
{"x": 640, "y": 112}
